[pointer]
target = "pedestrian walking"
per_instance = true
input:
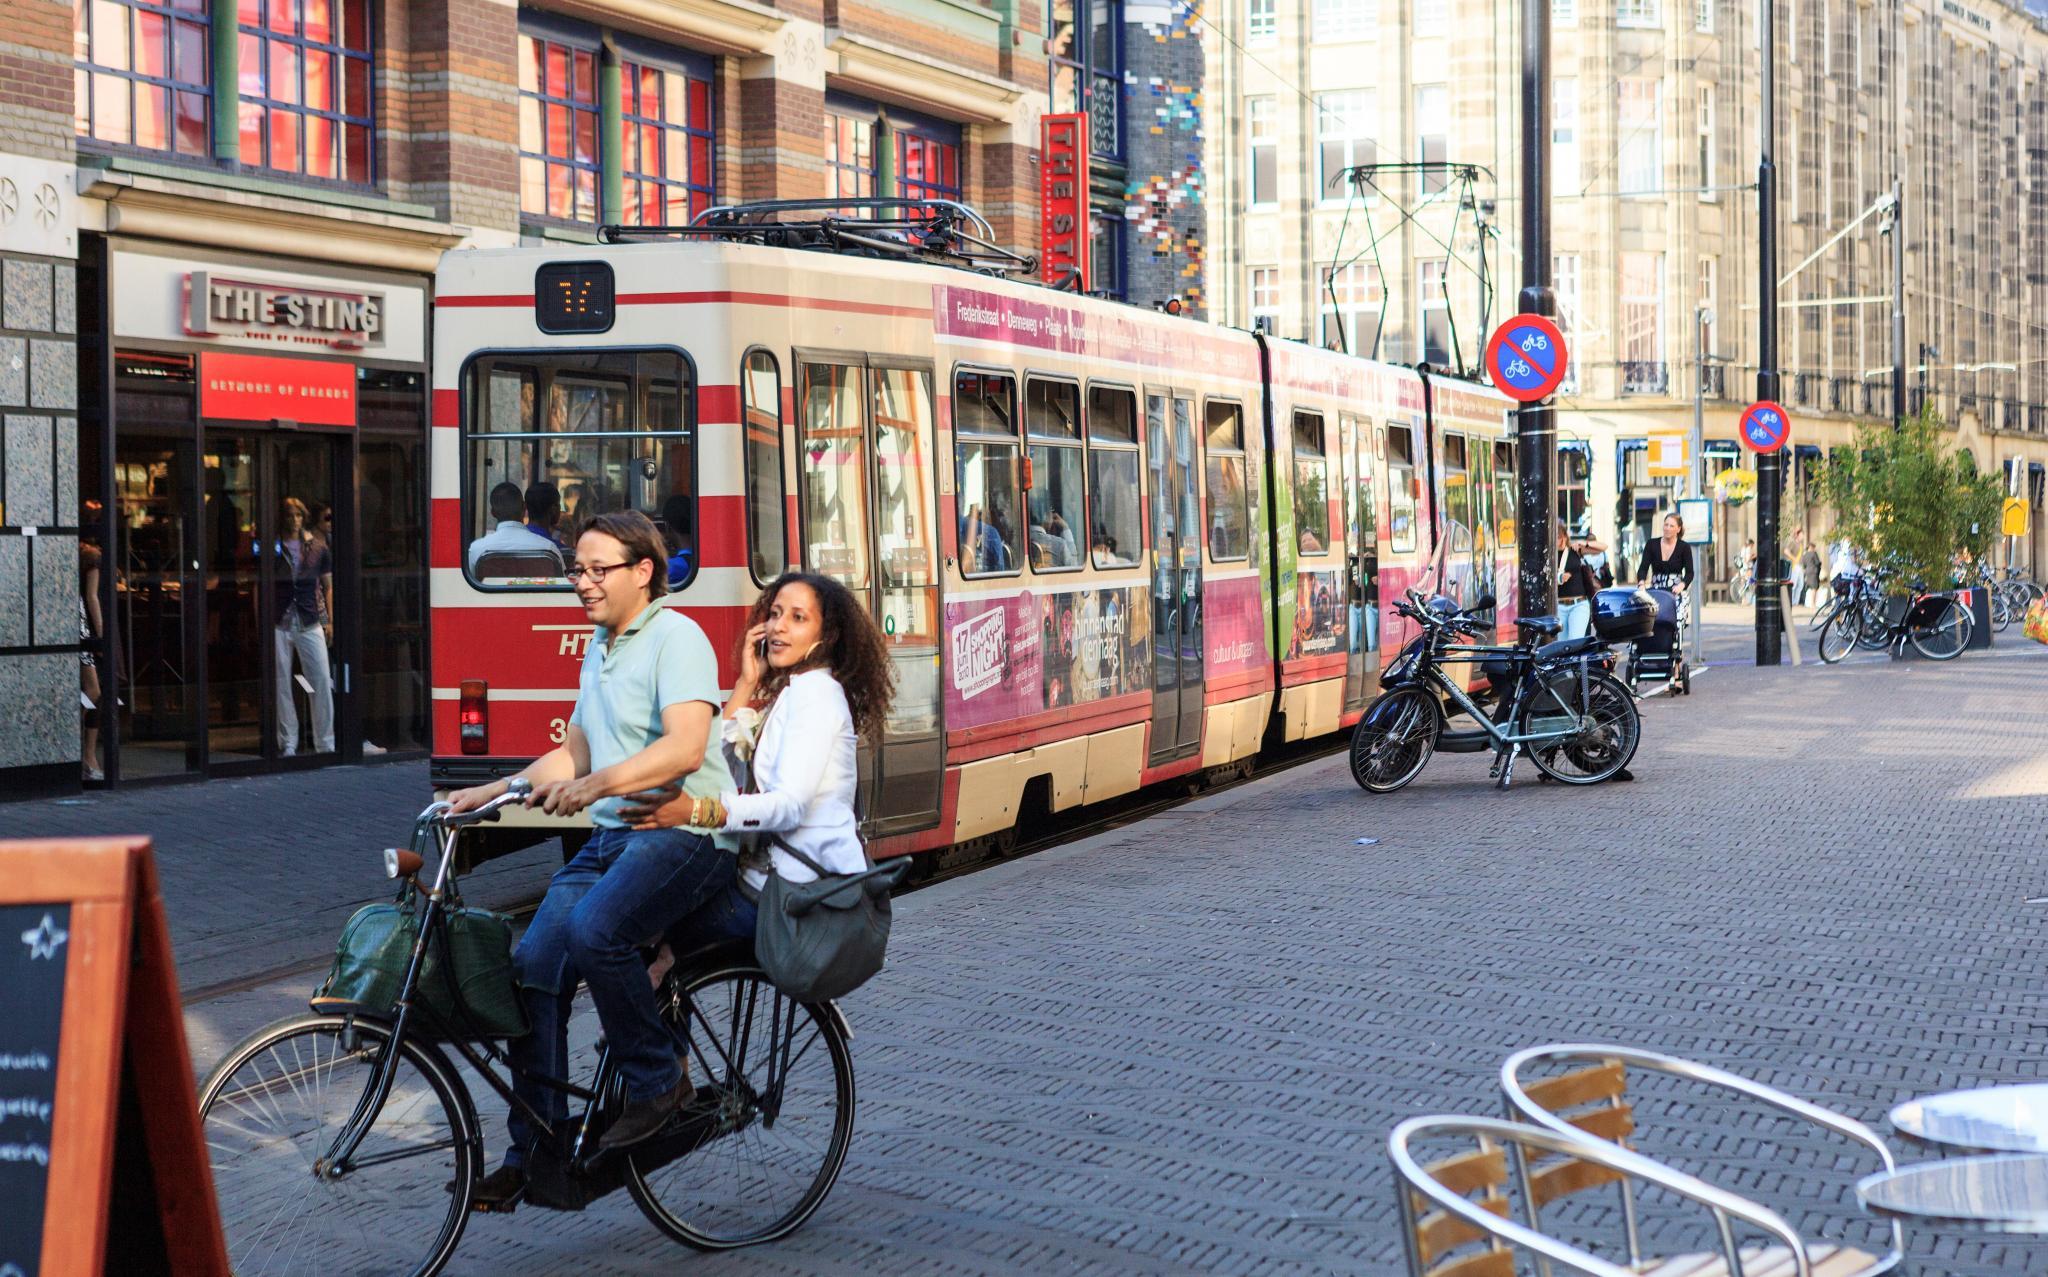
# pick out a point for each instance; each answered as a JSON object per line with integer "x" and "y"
{"x": 648, "y": 694}
{"x": 1795, "y": 558}
{"x": 1667, "y": 561}
{"x": 1809, "y": 573}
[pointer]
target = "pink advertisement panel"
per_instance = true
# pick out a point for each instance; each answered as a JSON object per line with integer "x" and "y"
{"x": 1234, "y": 621}
{"x": 1013, "y": 656}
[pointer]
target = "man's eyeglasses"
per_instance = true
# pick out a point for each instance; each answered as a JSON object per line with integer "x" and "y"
{"x": 594, "y": 571}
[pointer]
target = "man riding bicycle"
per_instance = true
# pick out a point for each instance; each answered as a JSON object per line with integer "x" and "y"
{"x": 644, "y": 709}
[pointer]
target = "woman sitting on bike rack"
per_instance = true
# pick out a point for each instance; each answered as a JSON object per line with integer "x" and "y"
{"x": 813, "y": 656}
{"x": 643, "y": 717}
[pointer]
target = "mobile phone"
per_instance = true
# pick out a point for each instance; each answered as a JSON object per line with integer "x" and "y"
{"x": 761, "y": 650}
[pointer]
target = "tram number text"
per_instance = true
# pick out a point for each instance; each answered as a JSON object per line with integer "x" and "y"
{"x": 558, "y": 730}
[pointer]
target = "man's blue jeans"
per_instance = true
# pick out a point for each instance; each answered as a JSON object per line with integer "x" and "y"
{"x": 623, "y": 890}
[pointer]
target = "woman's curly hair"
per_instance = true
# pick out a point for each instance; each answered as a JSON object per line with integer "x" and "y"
{"x": 852, "y": 645}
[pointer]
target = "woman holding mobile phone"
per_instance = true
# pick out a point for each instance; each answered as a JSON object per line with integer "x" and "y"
{"x": 814, "y": 677}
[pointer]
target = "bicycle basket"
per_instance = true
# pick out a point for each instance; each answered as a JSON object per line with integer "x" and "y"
{"x": 466, "y": 980}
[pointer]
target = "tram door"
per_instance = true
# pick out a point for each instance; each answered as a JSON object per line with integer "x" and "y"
{"x": 866, "y": 497}
{"x": 1176, "y": 576}
{"x": 1361, "y": 561}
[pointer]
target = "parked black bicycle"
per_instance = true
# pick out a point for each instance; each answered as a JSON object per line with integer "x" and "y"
{"x": 1935, "y": 623}
{"x": 1553, "y": 701}
{"x": 341, "y": 1139}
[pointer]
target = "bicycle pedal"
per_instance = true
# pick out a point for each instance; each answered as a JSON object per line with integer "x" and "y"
{"x": 505, "y": 1207}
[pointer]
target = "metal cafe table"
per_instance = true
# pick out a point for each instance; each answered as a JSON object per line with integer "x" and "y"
{"x": 2004, "y": 1192}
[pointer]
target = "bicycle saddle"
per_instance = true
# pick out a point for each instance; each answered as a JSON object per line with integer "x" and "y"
{"x": 1569, "y": 647}
{"x": 1540, "y": 624}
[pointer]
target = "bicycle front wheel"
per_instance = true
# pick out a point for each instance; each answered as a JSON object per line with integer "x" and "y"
{"x": 1944, "y": 637}
{"x": 773, "y": 1111}
{"x": 1395, "y": 738}
{"x": 1841, "y": 634}
{"x": 1609, "y": 727}
{"x": 272, "y": 1110}
{"x": 1876, "y": 623}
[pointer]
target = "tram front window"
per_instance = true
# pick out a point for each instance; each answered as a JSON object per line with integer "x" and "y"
{"x": 551, "y": 439}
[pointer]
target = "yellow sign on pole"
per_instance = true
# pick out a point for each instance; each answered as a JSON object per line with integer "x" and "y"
{"x": 1667, "y": 455}
{"x": 2014, "y": 523}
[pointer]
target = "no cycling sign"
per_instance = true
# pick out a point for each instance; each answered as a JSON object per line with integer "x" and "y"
{"x": 1526, "y": 358}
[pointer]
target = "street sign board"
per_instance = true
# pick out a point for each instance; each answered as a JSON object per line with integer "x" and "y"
{"x": 1667, "y": 458}
{"x": 1697, "y": 514}
{"x": 2013, "y": 522}
{"x": 1526, "y": 358}
{"x": 1765, "y": 427}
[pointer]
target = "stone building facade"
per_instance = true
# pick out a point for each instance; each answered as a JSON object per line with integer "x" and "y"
{"x": 1654, "y": 146}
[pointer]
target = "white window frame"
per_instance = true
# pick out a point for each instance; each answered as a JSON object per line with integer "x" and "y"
{"x": 1345, "y": 117}
{"x": 1262, "y": 21}
{"x": 1262, "y": 130}
{"x": 1438, "y": 117}
{"x": 1706, "y": 144}
{"x": 1710, "y": 295}
{"x": 1361, "y": 300}
{"x": 1639, "y": 145}
{"x": 1640, "y": 344}
{"x": 1431, "y": 19}
{"x": 1431, "y": 274}
{"x": 1564, "y": 13}
{"x": 1262, "y": 291}
{"x": 1564, "y": 274}
{"x": 1566, "y": 165}
{"x": 1637, "y": 13}
{"x": 1703, "y": 16}
{"x": 1336, "y": 21}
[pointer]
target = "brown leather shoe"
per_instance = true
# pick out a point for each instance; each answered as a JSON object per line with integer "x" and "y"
{"x": 500, "y": 1191}
{"x": 642, "y": 1118}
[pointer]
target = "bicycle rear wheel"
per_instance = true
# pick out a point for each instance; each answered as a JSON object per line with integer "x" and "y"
{"x": 774, "y": 1111}
{"x": 1944, "y": 637}
{"x": 1395, "y": 738}
{"x": 1841, "y": 635}
{"x": 1610, "y": 727}
{"x": 272, "y": 1108}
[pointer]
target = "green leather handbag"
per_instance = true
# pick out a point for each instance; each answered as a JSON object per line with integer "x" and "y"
{"x": 466, "y": 983}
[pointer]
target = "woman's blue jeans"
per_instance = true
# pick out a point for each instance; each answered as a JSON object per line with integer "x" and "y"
{"x": 624, "y": 889}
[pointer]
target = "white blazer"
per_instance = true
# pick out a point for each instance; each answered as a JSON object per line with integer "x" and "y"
{"x": 805, "y": 773}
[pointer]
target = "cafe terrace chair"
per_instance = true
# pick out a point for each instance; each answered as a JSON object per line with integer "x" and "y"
{"x": 1455, "y": 1220}
{"x": 1591, "y": 1099}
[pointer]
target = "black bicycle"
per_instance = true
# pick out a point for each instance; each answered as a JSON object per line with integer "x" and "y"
{"x": 1576, "y": 721}
{"x": 1936, "y": 624}
{"x": 341, "y": 1139}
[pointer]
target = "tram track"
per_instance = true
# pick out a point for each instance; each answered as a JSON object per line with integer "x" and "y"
{"x": 1064, "y": 828}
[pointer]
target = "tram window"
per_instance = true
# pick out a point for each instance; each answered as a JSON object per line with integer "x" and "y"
{"x": 1229, "y": 495}
{"x": 985, "y": 465}
{"x": 761, "y": 423}
{"x": 833, "y": 483}
{"x": 1505, "y": 498}
{"x": 1311, "y": 485}
{"x": 573, "y": 434}
{"x": 1052, "y": 419}
{"x": 903, "y": 427}
{"x": 1114, "y": 530}
{"x": 1401, "y": 489}
{"x": 1457, "y": 495}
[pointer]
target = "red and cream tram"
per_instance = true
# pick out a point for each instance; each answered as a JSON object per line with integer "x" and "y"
{"x": 1108, "y": 546}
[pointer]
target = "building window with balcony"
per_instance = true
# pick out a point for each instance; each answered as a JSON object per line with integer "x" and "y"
{"x": 1351, "y": 300}
{"x": 1264, "y": 289}
{"x": 305, "y": 86}
{"x": 1087, "y": 68}
{"x": 1636, "y": 13}
{"x": 1262, "y": 21}
{"x": 1343, "y": 139}
{"x": 1262, "y": 116}
{"x": 1564, "y": 136}
{"x": 1564, "y": 273}
{"x": 558, "y": 155}
{"x": 1643, "y": 371}
{"x": 1434, "y": 322}
{"x": 1432, "y": 135}
{"x": 666, "y": 157}
{"x": 1706, "y": 143}
{"x": 1344, "y": 19}
{"x": 1640, "y": 123}
{"x": 142, "y": 75}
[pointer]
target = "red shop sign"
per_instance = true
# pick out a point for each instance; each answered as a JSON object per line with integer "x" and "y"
{"x": 1063, "y": 201}
{"x": 313, "y": 392}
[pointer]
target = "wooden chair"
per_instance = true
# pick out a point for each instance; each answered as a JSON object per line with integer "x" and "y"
{"x": 1591, "y": 1100}
{"x": 1455, "y": 1220}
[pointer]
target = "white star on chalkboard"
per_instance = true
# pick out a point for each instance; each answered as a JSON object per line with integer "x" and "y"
{"x": 43, "y": 940}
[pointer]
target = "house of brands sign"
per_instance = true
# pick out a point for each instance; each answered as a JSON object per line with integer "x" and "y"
{"x": 222, "y": 306}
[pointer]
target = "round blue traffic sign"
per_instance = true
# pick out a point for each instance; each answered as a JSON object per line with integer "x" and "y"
{"x": 1526, "y": 358}
{"x": 1765, "y": 426}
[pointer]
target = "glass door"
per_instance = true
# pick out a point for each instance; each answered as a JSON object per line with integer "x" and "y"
{"x": 390, "y": 679}
{"x": 1361, "y": 561}
{"x": 1176, "y": 577}
{"x": 156, "y": 583}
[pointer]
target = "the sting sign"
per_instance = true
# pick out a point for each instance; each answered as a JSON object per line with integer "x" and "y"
{"x": 1063, "y": 202}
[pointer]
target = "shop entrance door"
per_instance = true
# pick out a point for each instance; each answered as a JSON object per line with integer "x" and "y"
{"x": 1176, "y": 579}
{"x": 275, "y": 685}
{"x": 156, "y": 567}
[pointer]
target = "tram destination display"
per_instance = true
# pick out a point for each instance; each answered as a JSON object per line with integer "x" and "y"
{"x": 33, "y": 944}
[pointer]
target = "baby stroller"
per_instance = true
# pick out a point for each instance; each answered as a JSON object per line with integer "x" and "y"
{"x": 1661, "y": 655}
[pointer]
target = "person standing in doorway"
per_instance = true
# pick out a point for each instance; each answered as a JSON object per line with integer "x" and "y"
{"x": 304, "y": 625}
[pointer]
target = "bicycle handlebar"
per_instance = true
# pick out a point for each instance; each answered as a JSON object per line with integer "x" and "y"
{"x": 517, "y": 790}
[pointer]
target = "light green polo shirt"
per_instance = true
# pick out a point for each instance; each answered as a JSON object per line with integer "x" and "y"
{"x": 660, "y": 659}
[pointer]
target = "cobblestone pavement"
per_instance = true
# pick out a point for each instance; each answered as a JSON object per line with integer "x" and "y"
{"x": 1178, "y": 1047}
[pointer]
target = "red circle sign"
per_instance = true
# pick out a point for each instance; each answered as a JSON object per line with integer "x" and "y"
{"x": 1525, "y": 359}
{"x": 1765, "y": 427}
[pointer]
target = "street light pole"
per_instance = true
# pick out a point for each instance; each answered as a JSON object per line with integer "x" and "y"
{"x": 1535, "y": 425}
{"x": 1898, "y": 229}
{"x": 1770, "y": 466}
{"x": 1695, "y": 448}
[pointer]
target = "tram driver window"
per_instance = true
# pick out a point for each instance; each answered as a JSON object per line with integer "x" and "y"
{"x": 1229, "y": 494}
{"x": 1401, "y": 489}
{"x": 1311, "y": 485}
{"x": 1052, "y": 499}
{"x": 767, "y": 538}
{"x": 1114, "y": 530}
{"x": 551, "y": 439}
{"x": 985, "y": 457}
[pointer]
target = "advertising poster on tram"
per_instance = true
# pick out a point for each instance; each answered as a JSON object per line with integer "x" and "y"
{"x": 1022, "y": 654}
{"x": 1234, "y": 618}
{"x": 1318, "y": 606}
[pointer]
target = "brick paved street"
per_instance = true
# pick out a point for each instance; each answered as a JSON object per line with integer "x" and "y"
{"x": 1179, "y": 1046}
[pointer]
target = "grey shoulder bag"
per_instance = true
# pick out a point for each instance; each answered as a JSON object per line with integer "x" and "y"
{"x": 823, "y": 939}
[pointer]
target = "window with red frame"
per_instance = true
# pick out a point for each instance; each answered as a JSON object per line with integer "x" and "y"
{"x": 141, "y": 74}
{"x": 926, "y": 167}
{"x": 558, "y": 155}
{"x": 305, "y": 86}
{"x": 666, "y": 162}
